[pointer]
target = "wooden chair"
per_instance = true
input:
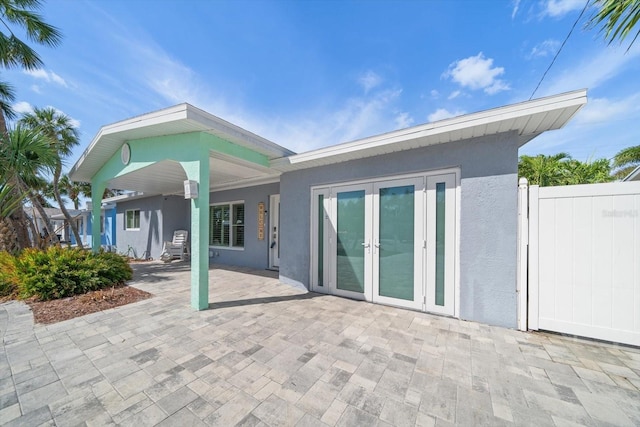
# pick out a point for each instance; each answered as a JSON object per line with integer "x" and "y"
{"x": 177, "y": 248}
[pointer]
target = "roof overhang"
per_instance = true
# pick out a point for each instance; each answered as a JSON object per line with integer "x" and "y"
{"x": 179, "y": 119}
{"x": 526, "y": 119}
{"x": 634, "y": 175}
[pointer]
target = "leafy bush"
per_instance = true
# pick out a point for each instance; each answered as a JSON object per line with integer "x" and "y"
{"x": 60, "y": 272}
{"x": 8, "y": 277}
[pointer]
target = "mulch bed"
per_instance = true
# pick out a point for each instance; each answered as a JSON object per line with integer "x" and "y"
{"x": 54, "y": 311}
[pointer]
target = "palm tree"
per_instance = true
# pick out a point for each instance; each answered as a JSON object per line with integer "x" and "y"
{"x": 589, "y": 172}
{"x": 63, "y": 136}
{"x": 10, "y": 201}
{"x": 71, "y": 189}
{"x": 7, "y": 96}
{"x": 85, "y": 188}
{"x": 24, "y": 154}
{"x": 625, "y": 161}
{"x": 14, "y": 53}
{"x": 617, "y": 17}
{"x": 543, "y": 170}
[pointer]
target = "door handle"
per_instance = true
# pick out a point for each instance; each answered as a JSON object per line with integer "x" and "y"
{"x": 376, "y": 245}
{"x": 367, "y": 246}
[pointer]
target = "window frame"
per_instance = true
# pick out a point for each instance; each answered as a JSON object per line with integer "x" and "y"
{"x": 233, "y": 228}
{"x": 126, "y": 220}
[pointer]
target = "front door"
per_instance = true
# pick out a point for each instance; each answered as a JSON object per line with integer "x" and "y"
{"x": 274, "y": 231}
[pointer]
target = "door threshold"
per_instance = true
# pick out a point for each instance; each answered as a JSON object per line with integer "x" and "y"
{"x": 273, "y": 269}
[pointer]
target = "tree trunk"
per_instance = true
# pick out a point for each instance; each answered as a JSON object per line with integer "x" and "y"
{"x": 8, "y": 237}
{"x": 30, "y": 226}
{"x": 63, "y": 208}
{"x": 53, "y": 237}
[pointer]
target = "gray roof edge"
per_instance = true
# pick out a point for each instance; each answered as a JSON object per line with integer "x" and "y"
{"x": 634, "y": 175}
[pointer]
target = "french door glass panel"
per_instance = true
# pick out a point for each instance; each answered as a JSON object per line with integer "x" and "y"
{"x": 320, "y": 240}
{"x": 350, "y": 251}
{"x": 395, "y": 245}
{"x": 397, "y": 268}
{"x": 322, "y": 231}
{"x": 440, "y": 256}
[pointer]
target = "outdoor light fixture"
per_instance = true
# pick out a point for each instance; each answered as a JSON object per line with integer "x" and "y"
{"x": 190, "y": 189}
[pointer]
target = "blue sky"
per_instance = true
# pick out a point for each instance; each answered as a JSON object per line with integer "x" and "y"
{"x": 308, "y": 74}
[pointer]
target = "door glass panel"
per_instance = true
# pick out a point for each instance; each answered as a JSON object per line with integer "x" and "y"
{"x": 396, "y": 242}
{"x": 320, "y": 248}
{"x": 350, "y": 239}
{"x": 440, "y": 241}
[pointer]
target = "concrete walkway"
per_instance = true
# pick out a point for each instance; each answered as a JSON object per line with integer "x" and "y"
{"x": 269, "y": 355}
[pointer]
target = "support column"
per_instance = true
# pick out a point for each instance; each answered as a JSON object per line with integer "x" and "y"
{"x": 198, "y": 170}
{"x": 97, "y": 190}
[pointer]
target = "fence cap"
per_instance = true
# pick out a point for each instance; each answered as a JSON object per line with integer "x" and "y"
{"x": 522, "y": 181}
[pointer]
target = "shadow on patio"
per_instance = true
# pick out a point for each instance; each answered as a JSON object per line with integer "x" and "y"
{"x": 263, "y": 300}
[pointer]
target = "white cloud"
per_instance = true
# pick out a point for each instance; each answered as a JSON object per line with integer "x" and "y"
{"x": 353, "y": 119}
{"x": 442, "y": 113}
{"x": 592, "y": 71}
{"x": 75, "y": 123}
{"x": 546, "y": 48}
{"x": 47, "y": 76}
{"x": 477, "y": 72}
{"x": 559, "y": 8}
{"x": 22, "y": 107}
{"x": 602, "y": 110}
{"x": 516, "y": 6}
{"x": 434, "y": 94}
{"x": 36, "y": 89}
{"x": 454, "y": 94}
{"x": 157, "y": 74}
{"x": 403, "y": 120}
{"x": 369, "y": 80}
{"x": 497, "y": 86}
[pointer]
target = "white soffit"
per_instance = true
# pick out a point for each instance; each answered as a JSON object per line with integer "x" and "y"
{"x": 167, "y": 176}
{"x": 179, "y": 119}
{"x": 528, "y": 119}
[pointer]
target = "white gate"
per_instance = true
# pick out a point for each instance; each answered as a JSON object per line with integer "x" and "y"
{"x": 583, "y": 260}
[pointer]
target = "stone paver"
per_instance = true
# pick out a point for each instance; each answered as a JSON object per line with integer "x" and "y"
{"x": 266, "y": 354}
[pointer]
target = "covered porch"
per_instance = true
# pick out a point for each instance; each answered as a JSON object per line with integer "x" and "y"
{"x": 157, "y": 153}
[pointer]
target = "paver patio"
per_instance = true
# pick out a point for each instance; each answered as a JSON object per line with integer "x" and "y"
{"x": 266, "y": 354}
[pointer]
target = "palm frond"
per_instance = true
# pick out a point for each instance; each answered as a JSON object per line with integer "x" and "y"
{"x": 617, "y": 18}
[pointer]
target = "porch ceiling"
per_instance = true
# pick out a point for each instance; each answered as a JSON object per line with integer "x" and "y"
{"x": 167, "y": 177}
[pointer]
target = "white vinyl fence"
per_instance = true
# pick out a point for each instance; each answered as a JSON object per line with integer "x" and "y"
{"x": 582, "y": 261}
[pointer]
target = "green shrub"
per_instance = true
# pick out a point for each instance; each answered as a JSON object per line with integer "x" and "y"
{"x": 60, "y": 272}
{"x": 8, "y": 277}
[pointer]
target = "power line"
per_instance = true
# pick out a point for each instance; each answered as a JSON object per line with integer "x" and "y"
{"x": 560, "y": 49}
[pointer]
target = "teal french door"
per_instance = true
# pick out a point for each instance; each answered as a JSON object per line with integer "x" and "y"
{"x": 389, "y": 241}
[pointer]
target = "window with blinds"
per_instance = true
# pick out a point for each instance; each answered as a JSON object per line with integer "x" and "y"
{"x": 226, "y": 225}
{"x": 238, "y": 225}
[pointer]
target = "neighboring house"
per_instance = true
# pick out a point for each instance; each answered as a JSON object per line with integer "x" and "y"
{"x": 57, "y": 222}
{"x": 423, "y": 218}
{"x": 84, "y": 223}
